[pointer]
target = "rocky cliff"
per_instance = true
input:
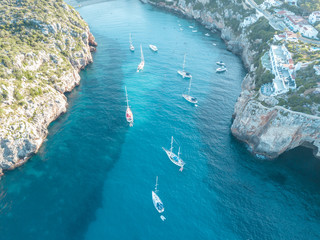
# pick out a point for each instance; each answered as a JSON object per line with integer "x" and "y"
{"x": 266, "y": 127}
{"x": 43, "y": 47}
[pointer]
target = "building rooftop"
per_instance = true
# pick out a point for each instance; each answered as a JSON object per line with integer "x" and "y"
{"x": 297, "y": 20}
{"x": 316, "y": 13}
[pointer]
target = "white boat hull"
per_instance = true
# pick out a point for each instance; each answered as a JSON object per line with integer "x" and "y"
{"x": 184, "y": 74}
{"x": 153, "y": 48}
{"x": 174, "y": 158}
{"x": 220, "y": 63}
{"x": 129, "y": 116}
{"x": 189, "y": 98}
{"x": 157, "y": 202}
{"x": 140, "y": 67}
{"x": 220, "y": 70}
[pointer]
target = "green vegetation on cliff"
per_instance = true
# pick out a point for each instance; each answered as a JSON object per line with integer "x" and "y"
{"x": 37, "y": 39}
{"x": 43, "y": 46}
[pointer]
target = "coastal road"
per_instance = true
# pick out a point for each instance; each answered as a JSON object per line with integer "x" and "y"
{"x": 308, "y": 40}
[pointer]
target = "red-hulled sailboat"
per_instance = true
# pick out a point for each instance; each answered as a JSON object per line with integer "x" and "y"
{"x": 129, "y": 115}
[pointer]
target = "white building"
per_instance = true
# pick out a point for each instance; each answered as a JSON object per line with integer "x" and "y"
{"x": 287, "y": 36}
{"x": 314, "y": 17}
{"x": 292, "y": 2}
{"x": 270, "y": 3}
{"x": 284, "y": 13}
{"x": 317, "y": 69}
{"x": 294, "y": 21}
{"x": 308, "y": 31}
{"x": 282, "y": 68}
{"x": 299, "y": 24}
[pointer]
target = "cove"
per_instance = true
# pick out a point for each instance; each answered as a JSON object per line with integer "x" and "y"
{"x": 93, "y": 177}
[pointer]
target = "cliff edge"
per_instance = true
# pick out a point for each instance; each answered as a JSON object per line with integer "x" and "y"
{"x": 269, "y": 125}
{"x": 43, "y": 47}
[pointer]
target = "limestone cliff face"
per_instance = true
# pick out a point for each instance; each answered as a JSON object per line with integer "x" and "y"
{"x": 268, "y": 129}
{"x": 49, "y": 46}
{"x": 238, "y": 43}
{"x": 272, "y": 130}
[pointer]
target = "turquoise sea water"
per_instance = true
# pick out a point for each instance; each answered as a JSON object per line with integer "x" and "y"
{"x": 92, "y": 179}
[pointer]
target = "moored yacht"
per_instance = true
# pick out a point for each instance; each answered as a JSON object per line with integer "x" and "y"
{"x": 131, "y": 45}
{"x": 129, "y": 115}
{"x": 221, "y": 69}
{"x": 153, "y": 48}
{"x": 220, "y": 63}
{"x": 157, "y": 201}
{"x": 188, "y": 97}
{"x": 173, "y": 157}
{"x": 182, "y": 72}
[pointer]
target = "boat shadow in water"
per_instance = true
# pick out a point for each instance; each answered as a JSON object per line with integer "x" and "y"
{"x": 69, "y": 171}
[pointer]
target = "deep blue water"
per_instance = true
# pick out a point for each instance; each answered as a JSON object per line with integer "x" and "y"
{"x": 92, "y": 178}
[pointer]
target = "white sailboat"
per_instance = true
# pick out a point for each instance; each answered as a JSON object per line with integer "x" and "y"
{"x": 153, "y": 48}
{"x": 173, "y": 157}
{"x": 157, "y": 201}
{"x": 131, "y": 45}
{"x": 141, "y": 65}
{"x": 188, "y": 97}
{"x": 129, "y": 115}
{"x": 182, "y": 72}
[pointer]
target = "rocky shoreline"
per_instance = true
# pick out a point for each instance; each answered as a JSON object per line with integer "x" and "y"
{"x": 36, "y": 98}
{"x": 30, "y": 148}
{"x": 269, "y": 130}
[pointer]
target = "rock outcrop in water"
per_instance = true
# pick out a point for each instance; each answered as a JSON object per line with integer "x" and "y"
{"x": 43, "y": 47}
{"x": 267, "y": 128}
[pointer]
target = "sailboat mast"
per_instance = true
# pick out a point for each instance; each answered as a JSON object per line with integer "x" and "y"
{"x": 171, "y": 144}
{"x": 127, "y": 96}
{"x": 142, "y": 58}
{"x": 189, "y": 86}
{"x": 130, "y": 39}
{"x": 156, "y": 184}
{"x": 179, "y": 152}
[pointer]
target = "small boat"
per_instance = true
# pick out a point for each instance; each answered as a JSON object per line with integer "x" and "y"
{"x": 214, "y": 44}
{"x": 221, "y": 69}
{"x": 131, "y": 45}
{"x": 220, "y": 63}
{"x": 188, "y": 97}
{"x": 153, "y": 48}
{"x": 191, "y": 26}
{"x": 182, "y": 72}
{"x": 173, "y": 157}
{"x": 207, "y": 34}
{"x": 141, "y": 64}
{"x": 194, "y": 30}
{"x": 129, "y": 115}
{"x": 156, "y": 200}
{"x": 181, "y": 29}
{"x": 162, "y": 217}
